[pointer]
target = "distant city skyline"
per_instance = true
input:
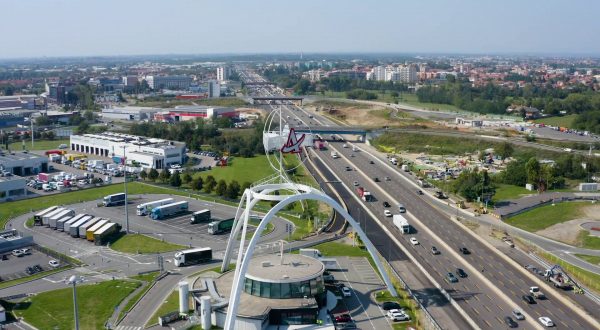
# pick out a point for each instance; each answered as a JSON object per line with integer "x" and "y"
{"x": 64, "y": 28}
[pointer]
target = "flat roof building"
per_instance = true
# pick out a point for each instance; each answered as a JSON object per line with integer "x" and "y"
{"x": 22, "y": 163}
{"x": 147, "y": 152}
{"x": 12, "y": 187}
{"x": 193, "y": 112}
{"x": 130, "y": 113}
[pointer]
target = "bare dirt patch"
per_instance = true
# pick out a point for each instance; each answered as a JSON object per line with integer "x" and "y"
{"x": 569, "y": 231}
{"x": 365, "y": 114}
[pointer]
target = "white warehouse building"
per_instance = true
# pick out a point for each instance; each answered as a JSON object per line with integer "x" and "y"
{"x": 147, "y": 152}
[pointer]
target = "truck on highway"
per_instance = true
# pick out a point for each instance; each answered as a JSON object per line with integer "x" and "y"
{"x": 192, "y": 256}
{"x": 405, "y": 168}
{"x": 37, "y": 218}
{"x": 401, "y": 223}
{"x": 557, "y": 276}
{"x": 313, "y": 253}
{"x": 363, "y": 194}
{"x": 114, "y": 199}
{"x": 83, "y": 228}
{"x": 394, "y": 161}
{"x": 220, "y": 226}
{"x": 164, "y": 211}
{"x": 536, "y": 293}
{"x": 145, "y": 208}
{"x": 89, "y": 233}
{"x": 64, "y": 213}
{"x": 200, "y": 216}
{"x": 46, "y": 217}
{"x": 104, "y": 234}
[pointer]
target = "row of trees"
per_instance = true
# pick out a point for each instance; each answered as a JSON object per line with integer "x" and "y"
{"x": 201, "y": 132}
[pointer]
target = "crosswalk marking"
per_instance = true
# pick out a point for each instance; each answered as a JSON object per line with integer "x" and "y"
{"x": 129, "y": 327}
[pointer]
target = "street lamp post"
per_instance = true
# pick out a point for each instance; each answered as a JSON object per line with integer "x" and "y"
{"x": 125, "y": 184}
{"x": 74, "y": 280}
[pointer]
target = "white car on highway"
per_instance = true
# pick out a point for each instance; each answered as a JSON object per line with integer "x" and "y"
{"x": 546, "y": 321}
{"x": 414, "y": 241}
{"x": 387, "y": 213}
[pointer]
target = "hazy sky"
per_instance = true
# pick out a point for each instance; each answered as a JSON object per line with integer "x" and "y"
{"x": 35, "y": 28}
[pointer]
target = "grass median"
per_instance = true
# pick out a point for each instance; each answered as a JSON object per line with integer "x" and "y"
{"x": 147, "y": 280}
{"x": 171, "y": 304}
{"x": 54, "y": 309}
{"x": 137, "y": 243}
{"x": 545, "y": 216}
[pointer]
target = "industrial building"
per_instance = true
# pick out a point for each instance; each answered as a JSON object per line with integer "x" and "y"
{"x": 214, "y": 89}
{"x": 12, "y": 239}
{"x": 22, "y": 163}
{"x": 193, "y": 112}
{"x": 168, "y": 82}
{"x": 12, "y": 187}
{"x": 130, "y": 113}
{"x": 146, "y": 152}
{"x": 277, "y": 291}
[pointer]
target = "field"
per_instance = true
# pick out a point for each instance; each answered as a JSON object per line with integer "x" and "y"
{"x": 506, "y": 192}
{"x": 171, "y": 304}
{"x": 591, "y": 259}
{"x": 562, "y": 121}
{"x": 353, "y": 113}
{"x": 54, "y": 309}
{"x": 545, "y": 216}
{"x": 38, "y": 145}
{"x": 136, "y": 243}
{"x": 241, "y": 169}
{"x": 411, "y": 99}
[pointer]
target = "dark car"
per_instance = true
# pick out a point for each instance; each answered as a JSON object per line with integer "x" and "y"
{"x": 460, "y": 272}
{"x": 386, "y": 204}
{"x": 348, "y": 168}
{"x": 386, "y": 306}
{"x": 464, "y": 250}
{"x": 371, "y": 162}
{"x": 343, "y": 318}
{"x": 510, "y": 322}
{"x": 451, "y": 278}
{"x": 528, "y": 299}
{"x": 376, "y": 179}
{"x": 419, "y": 192}
{"x": 434, "y": 250}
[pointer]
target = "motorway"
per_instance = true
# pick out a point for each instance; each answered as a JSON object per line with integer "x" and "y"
{"x": 494, "y": 285}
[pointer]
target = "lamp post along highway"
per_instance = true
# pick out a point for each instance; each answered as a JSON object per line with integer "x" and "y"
{"x": 125, "y": 184}
{"x": 74, "y": 280}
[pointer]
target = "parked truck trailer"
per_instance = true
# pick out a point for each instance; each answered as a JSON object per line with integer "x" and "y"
{"x": 104, "y": 234}
{"x": 200, "y": 216}
{"x": 89, "y": 233}
{"x": 146, "y": 208}
{"x": 114, "y": 199}
{"x": 37, "y": 218}
{"x": 83, "y": 228}
{"x": 74, "y": 228}
{"x": 169, "y": 210}
{"x": 72, "y": 221}
{"x": 66, "y": 212}
{"x": 192, "y": 256}
{"x": 220, "y": 226}
{"x": 46, "y": 217}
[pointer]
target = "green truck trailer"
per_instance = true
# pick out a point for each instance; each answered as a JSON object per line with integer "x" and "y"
{"x": 220, "y": 226}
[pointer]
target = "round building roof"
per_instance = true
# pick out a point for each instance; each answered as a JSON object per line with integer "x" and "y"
{"x": 295, "y": 268}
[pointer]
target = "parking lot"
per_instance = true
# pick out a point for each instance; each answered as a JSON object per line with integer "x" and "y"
{"x": 357, "y": 274}
{"x": 16, "y": 267}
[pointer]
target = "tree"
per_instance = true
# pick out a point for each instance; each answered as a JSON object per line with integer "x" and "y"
{"x": 143, "y": 175}
{"x": 209, "y": 184}
{"x": 175, "y": 180}
{"x": 43, "y": 121}
{"x": 83, "y": 127}
{"x": 153, "y": 175}
{"x": 89, "y": 116}
{"x": 233, "y": 189}
{"x": 532, "y": 168}
{"x": 504, "y": 150}
{"x": 187, "y": 177}
{"x": 245, "y": 186}
{"x": 221, "y": 188}
{"x": 164, "y": 176}
{"x": 197, "y": 183}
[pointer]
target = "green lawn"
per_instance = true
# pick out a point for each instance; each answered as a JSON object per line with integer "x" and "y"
{"x": 241, "y": 169}
{"x": 588, "y": 241}
{"x": 560, "y": 121}
{"x": 147, "y": 279}
{"x": 12, "y": 209}
{"x": 137, "y": 243}
{"x": 591, "y": 259}
{"x": 38, "y": 145}
{"x": 54, "y": 309}
{"x": 331, "y": 249}
{"x": 171, "y": 304}
{"x": 6, "y": 284}
{"x": 411, "y": 99}
{"x": 407, "y": 305}
{"x": 506, "y": 191}
{"x": 545, "y": 216}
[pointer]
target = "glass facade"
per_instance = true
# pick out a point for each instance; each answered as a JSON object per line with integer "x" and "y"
{"x": 284, "y": 290}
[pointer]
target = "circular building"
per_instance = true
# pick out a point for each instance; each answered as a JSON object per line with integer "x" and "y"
{"x": 277, "y": 291}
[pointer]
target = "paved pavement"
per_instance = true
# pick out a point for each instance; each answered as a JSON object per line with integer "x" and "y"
{"x": 361, "y": 278}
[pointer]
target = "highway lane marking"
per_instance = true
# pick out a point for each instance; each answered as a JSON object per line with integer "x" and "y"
{"x": 486, "y": 307}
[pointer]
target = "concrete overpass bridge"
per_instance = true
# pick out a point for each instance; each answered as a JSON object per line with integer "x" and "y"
{"x": 267, "y": 100}
{"x": 326, "y": 131}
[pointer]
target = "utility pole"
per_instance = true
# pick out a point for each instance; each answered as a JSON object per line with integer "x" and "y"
{"x": 125, "y": 184}
{"x": 31, "y": 120}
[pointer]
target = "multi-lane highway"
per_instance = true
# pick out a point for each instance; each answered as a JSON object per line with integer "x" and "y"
{"x": 494, "y": 286}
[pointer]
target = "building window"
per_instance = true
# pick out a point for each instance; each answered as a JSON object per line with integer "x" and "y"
{"x": 276, "y": 290}
{"x": 256, "y": 288}
{"x": 265, "y": 290}
{"x": 285, "y": 290}
{"x": 248, "y": 286}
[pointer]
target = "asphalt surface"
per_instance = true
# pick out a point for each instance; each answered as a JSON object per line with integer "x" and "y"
{"x": 509, "y": 207}
{"x": 494, "y": 269}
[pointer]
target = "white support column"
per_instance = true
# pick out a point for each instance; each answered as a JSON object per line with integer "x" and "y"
{"x": 244, "y": 258}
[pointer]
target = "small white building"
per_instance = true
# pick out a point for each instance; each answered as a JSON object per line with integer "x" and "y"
{"x": 130, "y": 113}
{"x": 12, "y": 187}
{"x": 22, "y": 163}
{"x": 147, "y": 152}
